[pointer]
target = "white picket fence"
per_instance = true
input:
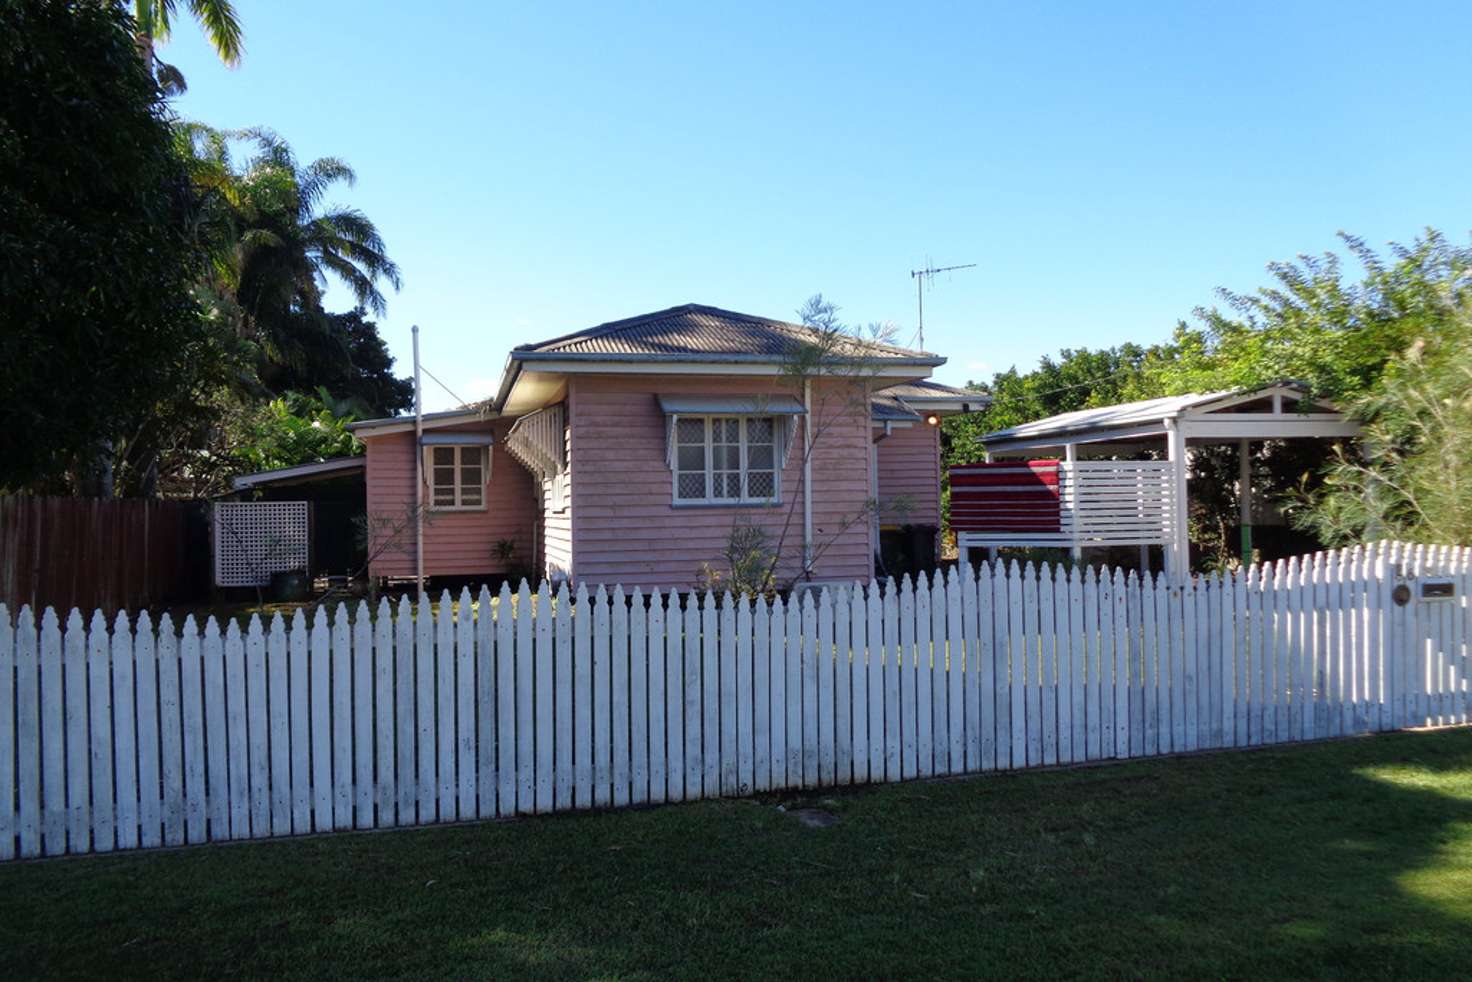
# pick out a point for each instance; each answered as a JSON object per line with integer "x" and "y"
{"x": 144, "y": 736}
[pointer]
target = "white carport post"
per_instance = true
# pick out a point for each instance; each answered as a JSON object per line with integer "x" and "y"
{"x": 1070, "y": 456}
{"x": 1178, "y": 552}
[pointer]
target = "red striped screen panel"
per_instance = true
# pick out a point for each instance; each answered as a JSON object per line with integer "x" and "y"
{"x": 1006, "y": 496}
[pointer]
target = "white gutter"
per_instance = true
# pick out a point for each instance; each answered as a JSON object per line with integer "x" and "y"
{"x": 418, "y": 472}
{"x": 807, "y": 476}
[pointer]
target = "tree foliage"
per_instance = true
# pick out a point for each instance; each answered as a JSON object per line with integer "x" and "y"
{"x": 96, "y": 250}
{"x": 1385, "y": 340}
{"x": 272, "y": 245}
{"x": 1413, "y": 479}
{"x": 154, "y": 20}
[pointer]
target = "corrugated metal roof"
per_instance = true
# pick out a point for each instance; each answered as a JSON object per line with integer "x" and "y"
{"x": 886, "y": 407}
{"x": 1120, "y": 415}
{"x": 695, "y": 330}
{"x": 332, "y": 467}
{"x": 933, "y": 390}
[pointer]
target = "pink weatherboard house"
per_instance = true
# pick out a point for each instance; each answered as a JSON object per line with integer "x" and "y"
{"x": 626, "y": 453}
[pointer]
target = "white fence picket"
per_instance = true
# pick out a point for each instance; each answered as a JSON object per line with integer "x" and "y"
{"x": 171, "y": 738}
{"x": 466, "y": 776}
{"x": 40, "y": 741}
{"x": 386, "y": 787}
{"x": 485, "y": 708}
{"x": 405, "y": 700}
{"x": 544, "y": 658}
{"x": 659, "y": 748}
{"x": 444, "y": 794}
{"x": 321, "y": 712}
{"x": 125, "y": 732}
{"x": 619, "y": 697}
{"x": 364, "y": 679}
{"x": 279, "y": 686}
{"x": 258, "y": 740}
{"x": 562, "y": 785}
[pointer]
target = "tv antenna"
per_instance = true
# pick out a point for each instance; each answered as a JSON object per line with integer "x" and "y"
{"x": 920, "y": 276}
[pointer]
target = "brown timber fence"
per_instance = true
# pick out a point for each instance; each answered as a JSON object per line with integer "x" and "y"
{"x": 107, "y": 554}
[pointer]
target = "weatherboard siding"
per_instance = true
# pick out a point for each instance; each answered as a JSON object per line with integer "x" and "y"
{"x": 909, "y": 471}
{"x": 625, "y": 528}
{"x": 456, "y": 543}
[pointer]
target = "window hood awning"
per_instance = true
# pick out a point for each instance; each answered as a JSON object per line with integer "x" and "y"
{"x": 457, "y": 439}
{"x": 730, "y": 405}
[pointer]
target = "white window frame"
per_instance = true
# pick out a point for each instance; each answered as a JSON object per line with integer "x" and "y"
{"x": 462, "y": 453}
{"x": 707, "y": 501}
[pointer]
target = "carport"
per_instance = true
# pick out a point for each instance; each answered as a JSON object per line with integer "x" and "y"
{"x": 1118, "y": 475}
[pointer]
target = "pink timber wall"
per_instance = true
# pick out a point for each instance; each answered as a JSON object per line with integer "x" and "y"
{"x": 625, "y": 528}
{"x": 456, "y": 543}
{"x": 908, "y": 462}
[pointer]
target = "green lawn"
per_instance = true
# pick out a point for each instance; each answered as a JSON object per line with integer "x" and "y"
{"x": 1351, "y": 858}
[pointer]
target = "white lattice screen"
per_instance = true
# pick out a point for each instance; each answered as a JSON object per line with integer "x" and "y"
{"x": 254, "y": 539}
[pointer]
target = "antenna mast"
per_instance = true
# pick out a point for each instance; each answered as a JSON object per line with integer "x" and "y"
{"x": 920, "y": 276}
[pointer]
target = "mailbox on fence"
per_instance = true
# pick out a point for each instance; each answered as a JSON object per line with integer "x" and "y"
{"x": 1441, "y": 589}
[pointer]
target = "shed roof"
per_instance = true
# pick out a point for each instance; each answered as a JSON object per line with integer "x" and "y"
{"x": 1149, "y": 416}
{"x": 1106, "y": 417}
{"x": 317, "y": 470}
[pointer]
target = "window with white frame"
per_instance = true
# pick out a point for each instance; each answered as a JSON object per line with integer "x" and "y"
{"x": 457, "y": 477}
{"x": 726, "y": 460}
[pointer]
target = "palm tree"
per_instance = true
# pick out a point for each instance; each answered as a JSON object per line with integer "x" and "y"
{"x": 272, "y": 246}
{"x": 155, "y": 22}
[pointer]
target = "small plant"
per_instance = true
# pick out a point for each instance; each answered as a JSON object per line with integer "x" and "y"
{"x": 749, "y": 563}
{"x": 508, "y": 557}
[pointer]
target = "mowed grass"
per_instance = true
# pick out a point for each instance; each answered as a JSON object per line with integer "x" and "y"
{"x": 1342, "y": 859}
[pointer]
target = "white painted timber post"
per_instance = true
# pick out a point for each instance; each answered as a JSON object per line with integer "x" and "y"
{"x": 991, "y": 551}
{"x": 1177, "y": 562}
{"x": 1070, "y": 457}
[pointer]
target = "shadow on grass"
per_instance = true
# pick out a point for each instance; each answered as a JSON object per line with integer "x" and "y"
{"x": 1353, "y": 858}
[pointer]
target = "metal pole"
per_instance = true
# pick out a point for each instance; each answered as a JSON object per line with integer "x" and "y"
{"x": 920, "y": 304}
{"x": 807, "y": 477}
{"x": 418, "y": 473}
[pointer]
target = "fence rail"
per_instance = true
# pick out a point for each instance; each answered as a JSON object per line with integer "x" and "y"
{"x": 144, "y": 735}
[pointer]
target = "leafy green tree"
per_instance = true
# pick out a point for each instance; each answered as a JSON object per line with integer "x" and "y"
{"x": 242, "y": 436}
{"x": 1316, "y": 325}
{"x": 1077, "y": 379}
{"x": 1344, "y": 335}
{"x": 97, "y": 258}
{"x": 154, "y": 20}
{"x": 1413, "y": 478}
{"x": 349, "y": 360}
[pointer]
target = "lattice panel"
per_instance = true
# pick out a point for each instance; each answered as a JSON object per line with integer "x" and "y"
{"x": 254, "y": 539}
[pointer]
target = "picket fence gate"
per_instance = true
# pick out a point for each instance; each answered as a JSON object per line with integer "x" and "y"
{"x": 146, "y": 736}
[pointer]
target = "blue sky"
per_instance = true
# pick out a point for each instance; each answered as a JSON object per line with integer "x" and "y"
{"x": 540, "y": 168}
